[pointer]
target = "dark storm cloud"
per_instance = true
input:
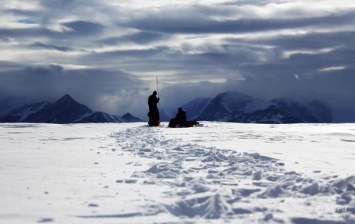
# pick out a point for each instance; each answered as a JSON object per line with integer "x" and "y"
{"x": 44, "y": 71}
{"x": 326, "y": 76}
{"x": 334, "y": 87}
{"x": 312, "y": 41}
{"x": 112, "y": 91}
{"x": 22, "y": 32}
{"x": 174, "y": 24}
{"x": 209, "y": 63}
{"x": 303, "y": 63}
{"x": 50, "y": 46}
{"x": 20, "y": 12}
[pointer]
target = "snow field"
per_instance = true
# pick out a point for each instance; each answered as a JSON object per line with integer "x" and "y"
{"x": 214, "y": 173}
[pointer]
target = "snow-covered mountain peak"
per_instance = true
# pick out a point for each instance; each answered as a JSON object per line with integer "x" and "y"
{"x": 127, "y": 117}
{"x": 66, "y": 100}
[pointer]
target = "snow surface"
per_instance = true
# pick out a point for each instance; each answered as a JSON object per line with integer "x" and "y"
{"x": 215, "y": 173}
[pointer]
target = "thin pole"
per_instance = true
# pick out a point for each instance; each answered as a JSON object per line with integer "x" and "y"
{"x": 156, "y": 78}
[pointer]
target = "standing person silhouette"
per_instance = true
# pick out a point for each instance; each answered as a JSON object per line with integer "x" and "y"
{"x": 154, "y": 116}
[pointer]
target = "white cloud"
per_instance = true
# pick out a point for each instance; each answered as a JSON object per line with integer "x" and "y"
{"x": 334, "y": 68}
{"x": 58, "y": 28}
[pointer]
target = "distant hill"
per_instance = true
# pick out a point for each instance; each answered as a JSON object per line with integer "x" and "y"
{"x": 64, "y": 110}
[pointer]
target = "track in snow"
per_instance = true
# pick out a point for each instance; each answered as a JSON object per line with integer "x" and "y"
{"x": 211, "y": 183}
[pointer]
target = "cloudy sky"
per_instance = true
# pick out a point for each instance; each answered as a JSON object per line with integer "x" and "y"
{"x": 108, "y": 53}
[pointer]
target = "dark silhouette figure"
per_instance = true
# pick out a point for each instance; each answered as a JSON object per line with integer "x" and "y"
{"x": 180, "y": 120}
{"x": 181, "y": 117}
{"x": 153, "y": 114}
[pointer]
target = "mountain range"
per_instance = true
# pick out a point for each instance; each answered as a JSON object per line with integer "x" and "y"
{"x": 237, "y": 107}
{"x": 64, "y": 110}
{"x": 228, "y": 107}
